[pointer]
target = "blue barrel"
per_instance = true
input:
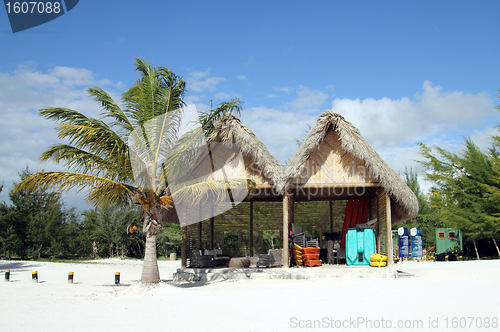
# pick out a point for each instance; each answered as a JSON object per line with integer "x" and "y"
{"x": 403, "y": 242}
{"x": 416, "y": 243}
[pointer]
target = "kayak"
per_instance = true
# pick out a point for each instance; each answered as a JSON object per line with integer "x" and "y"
{"x": 378, "y": 258}
{"x": 313, "y": 262}
{"x": 310, "y": 257}
{"x": 378, "y": 264}
{"x": 310, "y": 250}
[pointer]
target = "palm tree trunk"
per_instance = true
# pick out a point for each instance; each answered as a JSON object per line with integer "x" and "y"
{"x": 150, "y": 272}
{"x": 496, "y": 245}
{"x": 475, "y": 247}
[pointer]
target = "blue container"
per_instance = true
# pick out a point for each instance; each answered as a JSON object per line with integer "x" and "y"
{"x": 403, "y": 242}
{"x": 416, "y": 243}
{"x": 360, "y": 245}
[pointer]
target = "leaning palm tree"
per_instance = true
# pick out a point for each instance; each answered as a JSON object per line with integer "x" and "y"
{"x": 102, "y": 155}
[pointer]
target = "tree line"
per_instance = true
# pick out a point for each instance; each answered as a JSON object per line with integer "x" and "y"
{"x": 38, "y": 225}
{"x": 464, "y": 194}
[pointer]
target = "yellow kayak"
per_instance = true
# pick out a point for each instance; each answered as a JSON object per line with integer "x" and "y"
{"x": 297, "y": 247}
{"x": 378, "y": 258}
{"x": 378, "y": 264}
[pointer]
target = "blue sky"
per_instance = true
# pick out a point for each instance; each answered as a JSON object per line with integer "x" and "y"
{"x": 402, "y": 72}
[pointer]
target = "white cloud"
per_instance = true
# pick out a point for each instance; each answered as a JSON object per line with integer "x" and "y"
{"x": 191, "y": 99}
{"x": 271, "y": 95}
{"x": 483, "y": 138}
{"x": 73, "y": 76}
{"x": 242, "y": 77}
{"x": 277, "y": 129}
{"x": 284, "y": 89}
{"x": 392, "y": 122}
{"x": 308, "y": 100}
{"x": 221, "y": 95}
{"x": 199, "y": 82}
{"x": 199, "y": 74}
{"x": 23, "y": 133}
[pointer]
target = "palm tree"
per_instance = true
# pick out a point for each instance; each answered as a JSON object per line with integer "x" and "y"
{"x": 102, "y": 156}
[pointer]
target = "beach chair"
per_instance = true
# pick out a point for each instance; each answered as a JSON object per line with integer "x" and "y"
{"x": 198, "y": 260}
{"x": 300, "y": 239}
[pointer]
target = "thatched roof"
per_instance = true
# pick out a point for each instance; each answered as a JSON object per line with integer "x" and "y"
{"x": 232, "y": 130}
{"x": 405, "y": 204}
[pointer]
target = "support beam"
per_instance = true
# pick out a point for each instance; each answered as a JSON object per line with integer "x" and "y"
{"x": 331, "y": 218}
{"x": 251, "y": 229}
{"x": 212, "y": 236}
{"x": 200, "y": 240}
{"x": 184, "y": 247}
{"x": 287, "y": 220}
{"x": 377, "y": 229}
{"x": 390, "y": 250}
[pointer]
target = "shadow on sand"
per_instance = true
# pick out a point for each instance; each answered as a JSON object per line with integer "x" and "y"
{"x": 17, "y": 265}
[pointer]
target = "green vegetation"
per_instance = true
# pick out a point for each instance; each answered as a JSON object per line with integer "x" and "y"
{"x": 465, "y": 193}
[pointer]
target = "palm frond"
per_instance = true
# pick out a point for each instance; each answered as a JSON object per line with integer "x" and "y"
{"x": 209, "y": 118}
{"x": 86, "y": 133}
{"x": 80, "y": 161}
{"x": 110, "y": 109}
{"x": 216, "y": 191}
{"x": 102, "y": 191}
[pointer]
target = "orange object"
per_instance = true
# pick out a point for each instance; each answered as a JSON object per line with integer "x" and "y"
{"x": 313, "y": 262}
{"x": 310, "y": 257}
{"x": 310, "y": 250}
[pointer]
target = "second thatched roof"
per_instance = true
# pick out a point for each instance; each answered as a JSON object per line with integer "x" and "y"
{"x": 405, "y": 204}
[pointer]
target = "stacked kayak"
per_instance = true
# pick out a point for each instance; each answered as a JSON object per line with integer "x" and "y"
{"x": 297, "y": 254}
{"x": 378, "y": 260}
{"x": 310, "y": 256}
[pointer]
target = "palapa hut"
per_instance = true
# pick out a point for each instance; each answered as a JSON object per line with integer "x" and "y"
{"x": 336, "y": 163}
{"x": 260, "y": 166}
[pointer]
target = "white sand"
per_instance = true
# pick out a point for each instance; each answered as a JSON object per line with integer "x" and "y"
{"x": 439, "y": 290}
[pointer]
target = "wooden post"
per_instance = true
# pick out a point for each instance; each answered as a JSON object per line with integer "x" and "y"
{"x": 331, "y": 217}
{"x": 200, "y": 240}
{"x": 286, "y": 202}
{"x": 390, "y": 250}
{"x": 377, "y": 227}
{"x": 287, "y": 219}
{"x": 212, "y": 226}
{"x": 321, "y": 237}
{"x": 184, "y": 247}
{"x": 251, "y": 228}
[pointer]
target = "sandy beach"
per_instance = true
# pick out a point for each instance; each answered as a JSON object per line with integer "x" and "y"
{"x": 450, "y": 296}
